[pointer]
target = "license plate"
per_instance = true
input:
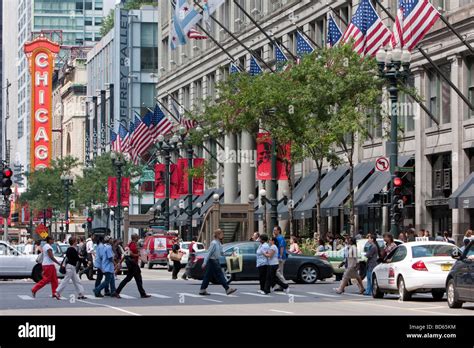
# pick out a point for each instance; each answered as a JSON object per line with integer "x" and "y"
{"x": 446, "y": 267}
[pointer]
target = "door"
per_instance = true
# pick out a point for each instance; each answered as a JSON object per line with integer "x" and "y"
{"x": 386, "y": 272}
{"x": 11, "y": 262}
{"x": 396, "y": 262}
{"x": 469, "y": 262}
{"x": 249, "y": 257}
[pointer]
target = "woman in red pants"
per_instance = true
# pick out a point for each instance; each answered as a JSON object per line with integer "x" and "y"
{"x": 49, "y": 270}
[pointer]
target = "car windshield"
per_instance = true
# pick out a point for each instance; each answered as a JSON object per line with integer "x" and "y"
{"x": 431, "y": 250}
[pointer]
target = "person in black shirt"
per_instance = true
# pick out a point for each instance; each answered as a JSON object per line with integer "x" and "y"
{"x": 71, "y": 260}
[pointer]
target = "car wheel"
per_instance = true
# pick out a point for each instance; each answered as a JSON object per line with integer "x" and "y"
{"x": 453, "y": 301}
{"x": 437, "y": 294}
{"x": 308, "y": 274}
{"x": 402, "y": 291}
{"x": 362, "y": 270}
{"x": 376, "y": 293}
{"x": 142, "y": 264}
{"x": 37, "y": 273}
{"x": 149, "y": 265}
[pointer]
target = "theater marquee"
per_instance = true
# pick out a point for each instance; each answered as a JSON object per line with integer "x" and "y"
{"x": 41, "y": 53}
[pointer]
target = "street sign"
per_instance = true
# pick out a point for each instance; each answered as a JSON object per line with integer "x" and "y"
{"x": 382, "y": 164}
{"x": 406, "y": 169}
{"x": 42, "y": 231}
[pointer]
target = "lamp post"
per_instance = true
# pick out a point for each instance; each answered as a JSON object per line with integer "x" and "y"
{"x": 274, "y": 202}
{"x": 394, "y": 66}
{"x": 67, "y": 180}
{"x": 118, "y": 163}
{"x": 166, "y": 148}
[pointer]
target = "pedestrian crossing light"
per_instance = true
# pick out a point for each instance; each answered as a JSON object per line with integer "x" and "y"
{"x": 6, "y": 181}
{"x": 397, "y": 200}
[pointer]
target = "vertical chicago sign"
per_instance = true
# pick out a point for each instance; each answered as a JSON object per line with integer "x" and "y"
{"x": 41, "y": 53}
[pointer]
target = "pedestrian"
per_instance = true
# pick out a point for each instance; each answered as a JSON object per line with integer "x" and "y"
{"x": 282, "y": 255}
{"x": 49, "y": 270}
{"x": 359, "y": 235}
{"x": 447, "y": 238}
{"x": 192, "y": 250}
{"x": 411, "y": 235}
{"x": 294, "y": 247}
{"x": 72, "y": 259}
{"x": 467, "y": 235}
{"x": 373, "y": 256}
{"x": 428, "y": 235}
{"x": 37, "y": 248}
{"x": 465, "y": 242}
{"x": 176, "y": 255}
{"x": 390, "y": 245}
{"x": 351, "y": 271}
{"x": 272, "y": 268}
{"x": 98, "y": 264}
{"x": 29, "y": 248}
{"x": 212, "y": 266}
{"x": 321, "y": 246}
{"x": 119, "y": 252}
{"x": 255, "y": 237}
{"x": 133, "y": 269}
{"x": 89, "y": 270}
{"x": 402, "y": 236}
{"x": 107, "y": 266}
{"x": 82, "y": 252}
{"x": 262, "y": 262}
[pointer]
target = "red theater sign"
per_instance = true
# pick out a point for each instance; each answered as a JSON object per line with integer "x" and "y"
{"x": 41, "y": 53}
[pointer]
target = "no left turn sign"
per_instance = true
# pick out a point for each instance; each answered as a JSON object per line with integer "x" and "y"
{"x": 382, "y": 164}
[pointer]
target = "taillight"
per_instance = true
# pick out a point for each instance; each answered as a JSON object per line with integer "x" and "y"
{"x": 391, "y": 273}
{"x": 419, "y": 266}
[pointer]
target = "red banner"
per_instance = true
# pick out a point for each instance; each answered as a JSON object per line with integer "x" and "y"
{"x": 125, "y": 192}
{"x": 183, "y": 176}
{"x": 112, "y": 191}
{"x": 160, "y": 181}
{"x": 198, "y": 183}
{"x": 264, "y": 158}
{"x": 174, "y": 181}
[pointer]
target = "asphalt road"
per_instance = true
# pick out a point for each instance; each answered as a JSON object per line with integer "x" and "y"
{"x": 179, "y": 297}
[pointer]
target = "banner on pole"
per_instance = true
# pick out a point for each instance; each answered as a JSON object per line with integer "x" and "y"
{"x": 160, "y": 180}
{"x": 264, "y": 158}
{"x": 183, "y": 176}
{"x": 125, "y": 192}
{"x": 112, "y": 191}
{"x": 174, "y": 181}
{"x": 198, "y": 182}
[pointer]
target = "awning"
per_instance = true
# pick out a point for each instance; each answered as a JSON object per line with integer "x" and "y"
{"x": 463, "y": 197}
{"x": 304, "y": 186}
{"x": 305, "y": 209}
{"x": 373, "y": 185}
{"x": 330, "y": 206}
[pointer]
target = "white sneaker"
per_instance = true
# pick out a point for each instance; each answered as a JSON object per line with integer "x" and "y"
{"x": 261, "y": 292}
{"x": 287, "y": 290}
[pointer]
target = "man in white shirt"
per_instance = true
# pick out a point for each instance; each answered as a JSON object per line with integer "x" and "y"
{"x": 89, "y": 270}
{"x": 49, "y": 270}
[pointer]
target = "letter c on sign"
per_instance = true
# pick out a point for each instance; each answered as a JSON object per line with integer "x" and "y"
{"x": 39, "y": 117}
{"x": 41, "y": 60}
{"x": 41, "y": 152}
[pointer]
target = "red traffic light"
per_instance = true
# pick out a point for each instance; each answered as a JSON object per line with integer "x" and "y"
{"x": 397, "y": 182}
{"x": 7, "y": 173}
{"x": 89, "y": 219}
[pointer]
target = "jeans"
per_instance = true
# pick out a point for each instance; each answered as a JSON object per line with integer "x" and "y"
{"x": 176, "y": 268}
{"x": 98, "y": 280}
{"x": 272, "y": 279}
{"x": 213, "y": 269}
{"x": 262, "y": 276}
{"x": 368, "y": 287}
{"x": 109, "y": 281}
{"x": 71, "y": 275}
{"x": 133, "y": 271}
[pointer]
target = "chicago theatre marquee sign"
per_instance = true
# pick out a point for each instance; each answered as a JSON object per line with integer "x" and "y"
{"x": 41, "y": 53}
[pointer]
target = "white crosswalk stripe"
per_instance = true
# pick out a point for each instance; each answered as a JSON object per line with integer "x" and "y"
{"x": 190, "y": 295}
{"x": 321, "y": 294}
{"x": 256, "y": 295}
{"x": 127, "y": 297}
{"x": 221, "y": 294}
{"x": 159, "y": 296}
{"x": 290, "y": 294}
{"x": 26, "y": 297}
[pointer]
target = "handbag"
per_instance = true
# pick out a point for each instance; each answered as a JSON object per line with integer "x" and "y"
{"x": 40, "y": 258}
{"x": 62, "y": 267}
{"x": 176, "y": 256}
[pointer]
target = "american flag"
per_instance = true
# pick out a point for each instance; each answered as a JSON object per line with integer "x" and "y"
{"x": 143, "y": 137}
{"x": 114, "y": 142}
{"x": 133, "y": 139}
{"x": 367, "y": 30}
{"x": 302, "y": 45}
{"x": 196, "y": 35}
{"x": 233, "y": 68}
{"x": 414, "y": 19}
{"x": 280, "y": 57}
{"x": 334, "y": 32}
{"x": 123, "y": 137}
{"x": 160, "y": 124}
{"x": 255, "y": 68}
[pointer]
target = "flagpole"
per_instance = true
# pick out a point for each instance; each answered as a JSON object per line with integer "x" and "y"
{"x": 463, "y": 40}
{"x": 301, "y": 31}
{"x": 263, "y": 31}
{"x": 174, "y": 117}
{"x": 235, "y": 38}
{"x": 339, "y": 16}
{"x": 438, "y": 70}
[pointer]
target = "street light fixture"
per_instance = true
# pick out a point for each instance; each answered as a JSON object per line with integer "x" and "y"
{"x": 274, "y": 205}
{"x": 394, "y": 67}
{"x": 118, "y": 163}
{"x": 67, "y": 180}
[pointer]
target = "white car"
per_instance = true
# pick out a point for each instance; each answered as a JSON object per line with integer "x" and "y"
{"x": 184, "y": 248}
{"x": 16, "y": 264}
{"x": 414, "y": 267}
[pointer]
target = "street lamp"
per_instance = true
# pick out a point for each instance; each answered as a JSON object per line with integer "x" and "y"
{"x": 67, "y": 180}
{"x": 274, "y": 202}
{"x": 394, "y": 67}
{"x": 118, "y": 163}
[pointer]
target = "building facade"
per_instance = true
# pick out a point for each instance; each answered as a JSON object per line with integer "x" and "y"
{"x": 440, "y": 150}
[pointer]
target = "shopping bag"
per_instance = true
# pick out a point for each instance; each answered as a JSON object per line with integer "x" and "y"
{"x": 234, "y": 263}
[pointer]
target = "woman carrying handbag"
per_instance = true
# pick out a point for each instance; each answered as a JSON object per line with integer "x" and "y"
{"x": 68, "y": 266}
{"x": 176, "y": 255}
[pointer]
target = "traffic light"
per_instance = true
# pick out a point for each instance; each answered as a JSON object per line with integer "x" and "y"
{"x": 6, "y": 181}
{"x": 397, "y": 199}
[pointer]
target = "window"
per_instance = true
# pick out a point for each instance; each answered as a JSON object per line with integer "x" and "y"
{"x": 441, "y": 171}
{"x": 239, "y": 16}
{"x": 149, "y": 46}
{"x": 440, "y": 96}
{"x": 406, "y": 109}
{"x": 88, "y": 21}
{"x": 400, "y": 254}
{"x": 20, "y": 129}
{"x": 432, "y": 250}
{"x": 211, "y": 86}
{"x": 470, "y": 84}
{"x": 148, "y": 93}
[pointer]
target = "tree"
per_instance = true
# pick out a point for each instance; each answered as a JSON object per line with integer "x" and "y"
{"x": 107, "y": 23}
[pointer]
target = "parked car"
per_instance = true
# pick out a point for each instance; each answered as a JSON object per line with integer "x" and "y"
{"x": 460, "y": 280}
{"x": 298, "y": 268}
{"x": 16, "y": 265}
{"x": 336, "y": 257}
{"x": 414, "y": 267}
{"x": 184, "y": 248}
{"x": 155, "y": 250}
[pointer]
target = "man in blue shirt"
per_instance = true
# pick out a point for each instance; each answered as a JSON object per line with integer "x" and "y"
{"x": 106, "y": 255}
{"x": 282, "y": 255}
